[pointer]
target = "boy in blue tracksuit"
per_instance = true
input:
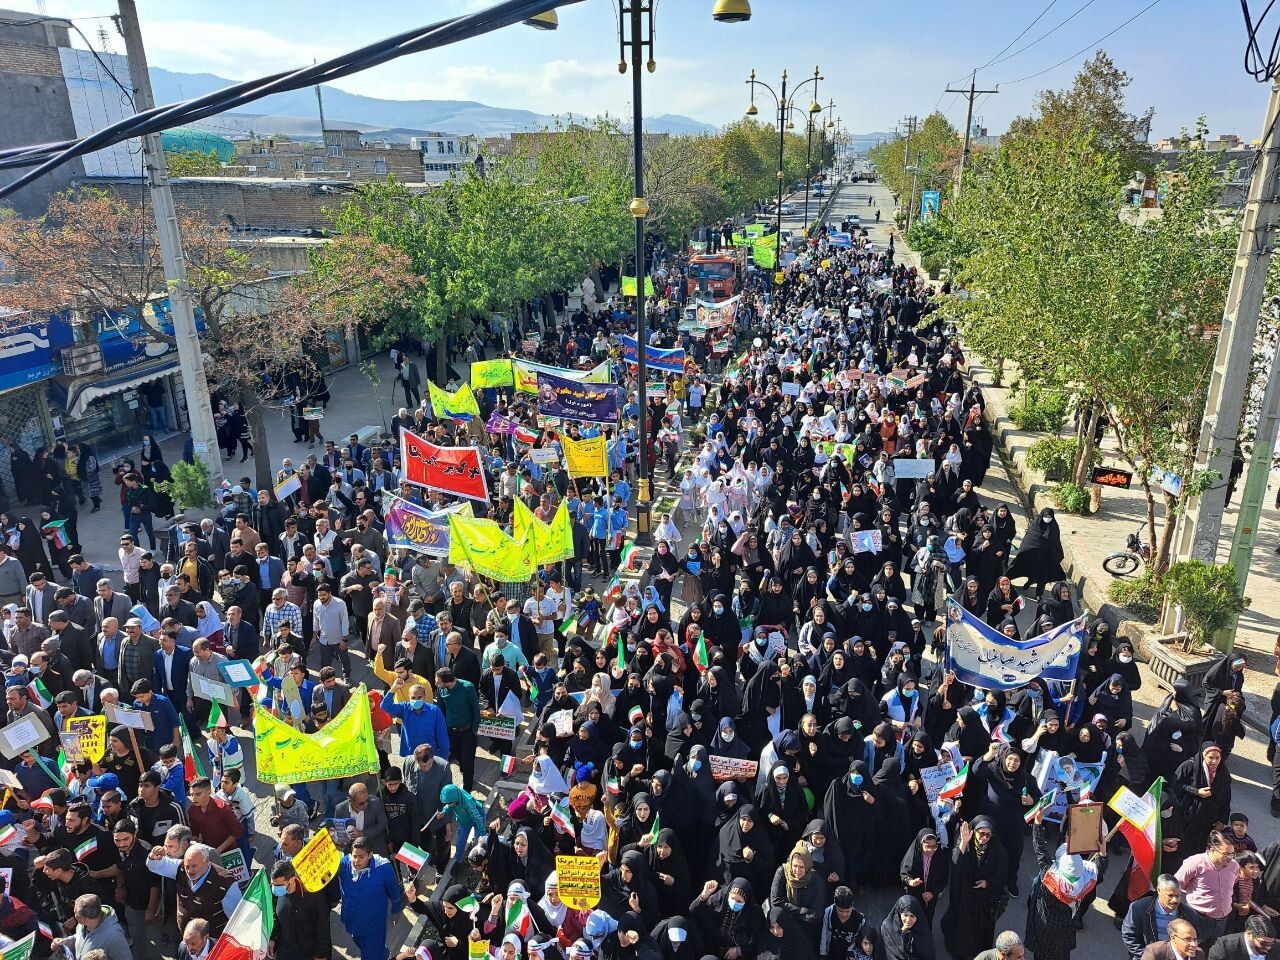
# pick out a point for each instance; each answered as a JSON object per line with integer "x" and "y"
{"x": 599, "y": 534}
{"x": 370, "y": 895}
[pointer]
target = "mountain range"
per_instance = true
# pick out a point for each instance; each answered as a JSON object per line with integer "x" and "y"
{"x": 297, "y": 113}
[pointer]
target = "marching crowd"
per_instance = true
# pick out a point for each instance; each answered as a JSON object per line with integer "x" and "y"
{"x": 747, "y": 738}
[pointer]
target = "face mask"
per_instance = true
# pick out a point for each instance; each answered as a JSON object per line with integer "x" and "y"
{"x": 1126, "y": 659}
{"x": 866, "y": 608}
{"x": 417, "y": 705}
{"x": 855, "y": 779}
{"x": 695, "y": 765}
{"x": 717, "y": 610}
{"x": 662, "y": 550}
{"x": 636, "y": 744}
{"x": 513, "y": 617}
{"x": 737, "y": 905}
{"x": 909, "y": 694}
{"x": 727, "y": 736}
{"x": 278, "y": 891}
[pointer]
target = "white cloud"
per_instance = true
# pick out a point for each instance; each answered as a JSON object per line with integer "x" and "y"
{"x": 229, "y": 50}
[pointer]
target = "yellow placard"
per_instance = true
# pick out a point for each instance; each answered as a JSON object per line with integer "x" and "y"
{"x": 579, "y": 881}
{"x": 343, "y": 748}
{"x": 477, "y": 949}
{"x": 491, "y": 373}
{"x": 318, "y": 861}
{"x": 92, "y": 732}
{"x": 585, "y": 458}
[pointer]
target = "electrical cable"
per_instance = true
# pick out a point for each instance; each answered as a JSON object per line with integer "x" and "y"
{"x": 1019, "y": 36}
{"x": 46, "y": 157}
{"x": 1052, "y": 30}
{"x": 1256, "y": 65}
{"x": 1085, "y": 49}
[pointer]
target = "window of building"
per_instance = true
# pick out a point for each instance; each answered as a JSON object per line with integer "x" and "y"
{"x": 451, "y": 146}
{"x": 380, "y": 165}
{"x": 335, "y": 150}
{"x": 270, "y": 164}
{"x": 298, "y": 165}
{"x": 317, "y": 162}
{"x": 439, "y": 146}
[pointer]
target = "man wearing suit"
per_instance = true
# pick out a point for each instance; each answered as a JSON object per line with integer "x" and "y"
{"x": 110, "y": 603}
{"x": 89, "y": 686}
{"x": 241, "y": 635}
{"x": 1183, "y": 944}
{"x": 73, "y": 640}
{"x": 1148, "y": 917}
{"x": 383, "y": 629}
{"x": 267, "y": 570}
{"x": 463, "y": 661}
{"x": 495, "y": 684}
{"x": 330, "y": 692}
{"x": 216, "y": 540}
{"x": 1258, "y": 942}
{"x": 370, "y": 817}
{"x": 40, "y": 597}
{"x": 171, "y": 665}
{"x": 204, "y": 663}
{"x": 183, "y": 611}
{"x": 77, "y": 607}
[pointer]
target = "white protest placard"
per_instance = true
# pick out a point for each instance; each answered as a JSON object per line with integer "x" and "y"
{"x": 207, "y": 689}
{"x": 732, "y": 768}
{"x": 239, "y": 673}
{"x": 500, "y": 728}
{"x": 935, "y": 778}
{"x": 233, "y": 862}
{"x": 129, "y": 717}
{"x": 790, "y": 389}
{"x": 22, "y": 735}
{"x": 544, "y": 455}
{"x": 912, "y": 468}
{"x": 562, "y": 720}
{"x": 1137, "y": 810}
{"x": 866, "y": 541}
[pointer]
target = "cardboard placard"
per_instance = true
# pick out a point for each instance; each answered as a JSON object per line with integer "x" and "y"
{"x": 25, "y": 733}
{"x": 790, "y": 389}
{"x": 935, "y": 778}
{"x": 207, "y": 689}
{"x": 544, "y": 455}
{"x": 500, "y": 728}
{"x": 579, "y": 881}
{"x": 318, "y": 861}
{"x": 239, "y": 673}
{"x": 129, "y": 717}
{"x": 732, "y": 768}
{"x": 233, "y": 861}
{"x": 1085, "y": 829}
{"x": 912, "y": 468}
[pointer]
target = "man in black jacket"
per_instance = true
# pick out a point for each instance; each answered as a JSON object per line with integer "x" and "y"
{"x": 1139, "y": 927}
{"x": 301, "y": 930}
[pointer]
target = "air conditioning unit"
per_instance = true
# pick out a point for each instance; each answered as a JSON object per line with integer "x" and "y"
{"x": 82, "y": 359}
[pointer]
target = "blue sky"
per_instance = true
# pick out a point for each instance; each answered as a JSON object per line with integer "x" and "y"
{"x": 881, "y": 60}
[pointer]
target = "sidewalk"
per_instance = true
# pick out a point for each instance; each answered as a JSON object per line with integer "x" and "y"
{"x": 1087, "y": 540}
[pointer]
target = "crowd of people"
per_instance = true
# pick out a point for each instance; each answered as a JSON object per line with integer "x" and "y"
{"x": 746, "y": 735}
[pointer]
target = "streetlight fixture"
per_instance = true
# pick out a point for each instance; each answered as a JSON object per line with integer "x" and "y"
{"x": 785, "y": 106}
{"x": 731, "y": 11}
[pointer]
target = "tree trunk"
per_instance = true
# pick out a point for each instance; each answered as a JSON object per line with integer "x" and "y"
{"x": 258, "y": 430}
{"x": 597, "y": 280}
{"x": 442, "y": 357}
{"x": 1085, "y": 445}
{"x": 1160, "y": 552}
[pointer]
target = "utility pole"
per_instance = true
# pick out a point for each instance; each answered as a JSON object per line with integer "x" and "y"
{"x": 195, "y": 386}
{"x": 1200, "y": 525}
{"x": 906, "y": 165}
{"x": 968, "y": 126}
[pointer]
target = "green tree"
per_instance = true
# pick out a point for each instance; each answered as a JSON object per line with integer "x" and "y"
{"x": 192, "y": 163}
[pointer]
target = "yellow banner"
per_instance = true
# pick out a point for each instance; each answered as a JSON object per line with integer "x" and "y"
{"x": 92, "y": 732}
{"x": 485, "y": 548}
{"x": 459, "y": 404}
{"x": 344, "y": 747}
{"x": 586, "y": 458}
{"x": 552, "y": 542}
{"x": 525, "y": 374}
{"x": 579, "y": 879}
{"x": 318, "y": 861}
{"x": 491, "y": 373}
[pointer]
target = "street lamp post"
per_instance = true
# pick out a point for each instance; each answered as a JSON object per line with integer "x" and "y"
{"x": 784, "y": 110}
{"x": 635, "y": 34}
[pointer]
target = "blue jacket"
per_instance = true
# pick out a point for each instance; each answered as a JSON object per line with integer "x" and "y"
{"x": 163, "y": 716}
{"x": 367, "y": 901}
{"x": 181, "y": 668}
{"x": 420, "y": 726}
{"x": 175, "y": 781}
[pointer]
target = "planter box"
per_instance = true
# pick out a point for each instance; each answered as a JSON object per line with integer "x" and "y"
{"x": 1169, "y": 664}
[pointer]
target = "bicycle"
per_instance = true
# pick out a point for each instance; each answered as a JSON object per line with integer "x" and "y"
{"x": 1136, "y": 552}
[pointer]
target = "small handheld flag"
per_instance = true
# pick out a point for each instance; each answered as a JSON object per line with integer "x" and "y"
{"x": 468, "y": 904}
{"x": 86, "y": 849}
{"x": 657, "y": 828}
{"x": 1045, "y": 801}
{"x": 508, "y": 764}
{"x": 413, "y": 857}
{"x": 955, "y": 786}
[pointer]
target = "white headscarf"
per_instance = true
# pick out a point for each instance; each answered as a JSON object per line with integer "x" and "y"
{"x": 546, "y": 779}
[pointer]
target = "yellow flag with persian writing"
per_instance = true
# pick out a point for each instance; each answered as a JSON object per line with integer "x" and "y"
{"x": 552, "y": 542}
{"x": 456, "y": 406}
{"x": 586, "y": 458}
{"x": 491, "y": 373}
{"x": 484, "y": 547}
{"x": 344, "y": 747}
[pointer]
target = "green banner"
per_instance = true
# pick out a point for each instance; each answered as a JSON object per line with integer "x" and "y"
{"x": 343, "y": 748}
{"x": 766, "y": 252}
{"x": 754, "y": 229}
{"x": 491, "y": 373}
{"x": 485, "y": 548}
{"x": 629, "y": 286}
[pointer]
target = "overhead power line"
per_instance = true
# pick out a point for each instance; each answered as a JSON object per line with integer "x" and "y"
{"x": 1048, "y": 33}
{"x": 1085, "y": 49}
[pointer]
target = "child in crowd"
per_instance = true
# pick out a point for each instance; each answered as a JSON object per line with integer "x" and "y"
{"x": 171, "y": 769}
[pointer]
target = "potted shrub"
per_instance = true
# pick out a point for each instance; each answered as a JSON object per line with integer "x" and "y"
{"x": 190, "y": 487}
{"x": 1208, "y": 595}
{"x": 1070, "y": 498}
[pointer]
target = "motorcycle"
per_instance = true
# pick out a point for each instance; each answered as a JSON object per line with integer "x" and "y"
{"x": 1136, "y": 552}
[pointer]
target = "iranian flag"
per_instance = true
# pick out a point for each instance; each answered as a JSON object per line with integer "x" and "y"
{"x": 955, "y": 786}
{"x": 508, "y": 764}
{"x": 561, "y": 817}
{"x": 192, "y": 767}
{"x": 39, "y": 693}
{"x": 700, "y": 656}
{"x": 1045, "y": 801}
{"x": 8, "y": 833}
{"x": 468, "y": 904}
{"x": 411, "y": 856}
{"x": 518, "y": 920}
{"x": 88, "y": 848}
{"x": 249, "y": 929}
{"x": 1144, "y": 839}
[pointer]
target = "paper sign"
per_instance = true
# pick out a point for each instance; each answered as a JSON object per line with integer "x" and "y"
{"x": 731, "y": 768}
{"x": 866, "y": 541}
{"x": 233, "y": 862}
{"x": 129, "y": 717}
{"x": 934, "y": 779}
{"x": 313, "y": 413}
{"x": 239, "y": 673}
{"x": 791, "y": 389}
{"x": 92, "y": 733}
{"x": 912, "y": 468}
{"x": 21, "y": 950}
{"x": 22, "y": 735}
{"x": 544, "y": 455}
{"x": 1137, "y": 810}
{"x": 71, "y": 747}
{"x": 563, "y": 721}
{"x": 318, "y": 861}
{"x": 500, "y": 728}
{"x": 207, "y": 689}
{"x": 579, "y": 881}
